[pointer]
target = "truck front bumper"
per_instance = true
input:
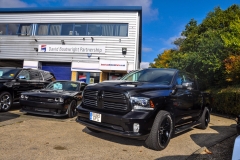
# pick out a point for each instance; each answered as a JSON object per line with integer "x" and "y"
{"x": 117, "y": 124}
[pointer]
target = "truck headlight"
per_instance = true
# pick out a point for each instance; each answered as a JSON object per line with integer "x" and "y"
{"x": 59, "y": 99}
{"x": 141, "y": 103}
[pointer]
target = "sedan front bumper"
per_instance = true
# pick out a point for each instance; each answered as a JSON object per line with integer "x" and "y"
{"x": 44, "y": 108}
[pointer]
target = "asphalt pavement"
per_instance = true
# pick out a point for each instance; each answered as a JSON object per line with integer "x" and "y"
{"x": 63, "y": 138}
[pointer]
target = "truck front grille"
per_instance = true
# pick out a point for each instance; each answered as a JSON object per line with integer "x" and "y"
{"x": 105, "y": 100}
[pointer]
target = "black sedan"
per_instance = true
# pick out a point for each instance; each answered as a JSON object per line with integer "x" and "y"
{"x": 59, "y": 98}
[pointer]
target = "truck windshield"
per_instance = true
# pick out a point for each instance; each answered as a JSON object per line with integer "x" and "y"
{"x": 8, "y": 73}
{"x": 161, "y": 76}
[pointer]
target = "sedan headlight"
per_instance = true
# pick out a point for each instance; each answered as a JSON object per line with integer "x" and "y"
{"x": 59, "y": 99}
{"x": 141, "y": 103}
{"x": 24, "y": 97}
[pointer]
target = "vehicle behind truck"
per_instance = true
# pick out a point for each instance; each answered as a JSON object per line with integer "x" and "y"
{"x": 150, "y": 104}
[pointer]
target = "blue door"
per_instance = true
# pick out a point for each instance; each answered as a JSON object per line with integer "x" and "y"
{"x": 62, "y": 71}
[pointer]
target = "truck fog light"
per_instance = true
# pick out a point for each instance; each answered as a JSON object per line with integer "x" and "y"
{"x": 136, "y": 127}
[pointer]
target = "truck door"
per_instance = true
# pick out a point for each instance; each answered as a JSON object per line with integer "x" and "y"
{"x": 187, "y": 99}
{"x": 22, "y": 83}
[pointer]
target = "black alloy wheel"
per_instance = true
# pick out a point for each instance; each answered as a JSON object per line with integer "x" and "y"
{"x": 204, "y": 119}
{"x": 164, "y": 131}
{"x": 161, "y": 131}
{"x": 5, "y": 101}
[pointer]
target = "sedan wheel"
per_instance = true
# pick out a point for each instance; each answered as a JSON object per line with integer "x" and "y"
{"x": 5, "y": 101}
{"x": 72, "y": 109}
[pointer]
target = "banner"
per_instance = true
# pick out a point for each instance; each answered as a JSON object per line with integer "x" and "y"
{"x": 72, "y": 48}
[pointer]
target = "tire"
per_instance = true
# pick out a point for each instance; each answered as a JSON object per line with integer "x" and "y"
{"x": 5, "y": 101}
{"x": 161, "y": 131}
{"x": 72, "y": 109}
{"x": 93, "y": 130}
{"x": 204, "y": 119}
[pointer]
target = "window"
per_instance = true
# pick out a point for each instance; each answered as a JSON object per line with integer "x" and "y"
{"x": 80, "y": 29}
{"x": 121, "y": 30}
{"x": 3, "y": 29}
{"x": 24, "y": 74}
{"x": 35, "y": 75}
{"x": 94, "y": 30}
{"x": 88, "y": 77}
{"x": 42, "y": 29}
{"x": 8, "y": 73}
{"x": 9, "y": 29}
{"x": 186, "y": 78}
{"x": 12, "y": 29}
{"x": 108, "y": 29}
{"x": 48, "y": 76}
{"x": 67, "y": 29}
{"x": 55, "y": 29}
{"x": 25, "y": 29}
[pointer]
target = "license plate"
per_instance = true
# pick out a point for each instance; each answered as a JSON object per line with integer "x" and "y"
{"x": 95, "y": 117}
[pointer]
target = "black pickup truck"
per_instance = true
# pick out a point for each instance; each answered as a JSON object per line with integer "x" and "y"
{"x": 150, "y": 104}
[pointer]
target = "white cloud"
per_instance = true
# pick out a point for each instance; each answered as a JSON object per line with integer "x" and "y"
{"x": 146, "y": 5}
{"x": 14, "y": 4}
{"x": 169, "y": 42}
{"x": 144, "y": 65}
{"x": 147, "y": 49}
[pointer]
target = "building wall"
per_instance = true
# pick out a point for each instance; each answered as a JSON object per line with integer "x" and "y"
{"x": 22, "y": 47}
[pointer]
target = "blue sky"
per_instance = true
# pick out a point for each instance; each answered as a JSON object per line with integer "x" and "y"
{"x": 163, "y": 20}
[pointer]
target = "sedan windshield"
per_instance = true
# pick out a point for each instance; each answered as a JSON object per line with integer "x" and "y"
{"x": 160, "y": 76}
{"x": 63, "y": 85}
{"x": 8, "y": 73}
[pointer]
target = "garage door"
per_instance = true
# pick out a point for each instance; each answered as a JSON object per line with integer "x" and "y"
{"x": 62, "y": 71}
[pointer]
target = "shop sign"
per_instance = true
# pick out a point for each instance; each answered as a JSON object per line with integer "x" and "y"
{"x": 72, "y": 48}
{"x": 82, "y": 78}
{"x": 112, "y": 65}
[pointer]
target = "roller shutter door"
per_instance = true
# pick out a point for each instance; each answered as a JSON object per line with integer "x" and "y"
{"x": 62, "y": 71}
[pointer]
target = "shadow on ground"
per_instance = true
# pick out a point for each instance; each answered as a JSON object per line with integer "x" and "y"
{"x": 5, "y": 116}
{"x": 116, "y": 139}
{"x": 209, "y": 139}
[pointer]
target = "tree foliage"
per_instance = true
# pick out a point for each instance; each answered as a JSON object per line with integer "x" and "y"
{"x": 163, "y": 60}
{"x": 205, "y": 49}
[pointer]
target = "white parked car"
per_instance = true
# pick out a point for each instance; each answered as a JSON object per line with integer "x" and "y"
{"x": 236, "y": 148}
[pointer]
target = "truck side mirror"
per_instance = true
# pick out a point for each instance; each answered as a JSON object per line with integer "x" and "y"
{"x": 187, "y": 85}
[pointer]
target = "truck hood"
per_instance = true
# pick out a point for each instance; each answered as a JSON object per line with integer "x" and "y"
{"x": 50, "y": 93}
{"x": 130, "y": 87}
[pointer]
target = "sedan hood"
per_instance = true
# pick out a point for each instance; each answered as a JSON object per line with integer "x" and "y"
{"x": 50, "y": 93}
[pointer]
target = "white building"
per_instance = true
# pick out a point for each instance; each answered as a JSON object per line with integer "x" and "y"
{"x": 91, "y": 44}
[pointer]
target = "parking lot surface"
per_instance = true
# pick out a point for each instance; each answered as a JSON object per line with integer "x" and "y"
{"x": 25, "y": 136}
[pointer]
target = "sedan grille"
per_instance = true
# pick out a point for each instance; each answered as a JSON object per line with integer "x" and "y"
{"x": 40, "y": 99}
